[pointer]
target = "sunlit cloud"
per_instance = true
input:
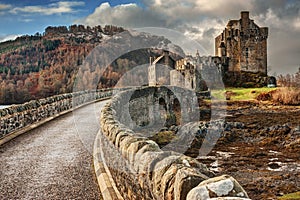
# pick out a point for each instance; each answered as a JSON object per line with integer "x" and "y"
{"x": 8, "y": 37}
{"x": 54, "y": 8}
{"x": 4, "y": 6}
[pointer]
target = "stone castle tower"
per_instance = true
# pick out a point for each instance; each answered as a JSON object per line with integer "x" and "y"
{"x": 245, "y": 44}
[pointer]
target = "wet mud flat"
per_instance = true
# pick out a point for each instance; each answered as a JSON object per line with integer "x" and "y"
{"x": 259, "y": 145}
{"x": 263, "y": 155}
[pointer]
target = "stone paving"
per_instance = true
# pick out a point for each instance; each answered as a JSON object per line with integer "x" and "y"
{"x": 52, "y": 161}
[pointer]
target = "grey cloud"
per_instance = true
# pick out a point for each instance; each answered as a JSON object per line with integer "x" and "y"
{"x": 261, "y": 6}
{"x": 203, "y": 20}
{"x": 210, "y": 32}
{"x": 282, "y": 8}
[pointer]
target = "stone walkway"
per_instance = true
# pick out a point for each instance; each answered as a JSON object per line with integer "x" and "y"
{"x": 53, "y": 161}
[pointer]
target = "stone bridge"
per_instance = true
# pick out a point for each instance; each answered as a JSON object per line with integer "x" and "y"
{"x": 152, "y": 106}
{"x": 139, "y": 167}
{"x": 127, "y": 164}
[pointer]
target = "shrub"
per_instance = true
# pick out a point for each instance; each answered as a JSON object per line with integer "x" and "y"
{"x": 287, "y": 96}
{"x": 264, "y": 96}
{"x": 170, "y": 120}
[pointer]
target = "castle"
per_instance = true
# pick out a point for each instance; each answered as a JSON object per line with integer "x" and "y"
{"x": 245, "y": 44}
{"x": 188, "y": 72}
{"x": 241, "y": 47}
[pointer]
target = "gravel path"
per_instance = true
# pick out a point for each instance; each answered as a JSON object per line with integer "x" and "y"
{"x": 53, "y": 161}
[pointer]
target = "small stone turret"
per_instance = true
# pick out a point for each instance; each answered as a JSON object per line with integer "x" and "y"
{"x": 222, "y": 50}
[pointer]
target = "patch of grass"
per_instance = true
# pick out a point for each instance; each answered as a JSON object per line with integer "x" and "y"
{"x": 291, "y": 196}
{"x": 218, "y": 94}
{"x": 240, "y": 94}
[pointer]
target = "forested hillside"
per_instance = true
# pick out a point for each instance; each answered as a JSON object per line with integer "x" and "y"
{"x": 45, "y": 64}
{"x": 33, "y": 67}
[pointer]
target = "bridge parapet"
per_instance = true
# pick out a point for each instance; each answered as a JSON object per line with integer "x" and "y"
{"x": 19, "y": 116}
{"x": 140, "y": 168}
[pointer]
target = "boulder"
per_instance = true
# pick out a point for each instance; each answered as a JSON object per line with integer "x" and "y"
{"x": 222, "y": 186}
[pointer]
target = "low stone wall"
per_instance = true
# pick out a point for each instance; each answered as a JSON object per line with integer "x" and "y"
{"x": 142, "y": 170}
{"x": 23, "y": 115}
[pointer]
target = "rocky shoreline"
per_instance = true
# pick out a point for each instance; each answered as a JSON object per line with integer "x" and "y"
{"x": 259, "y": 145}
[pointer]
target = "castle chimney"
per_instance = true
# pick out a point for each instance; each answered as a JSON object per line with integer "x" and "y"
{"x": 245, "y": 21}
{"x": 166, "y": 57}
{"x": 165, "y": 52}
{"x": 245, "y": 15}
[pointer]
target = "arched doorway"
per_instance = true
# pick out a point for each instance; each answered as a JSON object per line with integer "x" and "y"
{"x": 177, "y": 111}
{"x": 162, "y": 108}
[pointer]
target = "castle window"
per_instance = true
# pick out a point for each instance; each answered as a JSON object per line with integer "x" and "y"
{"x": 236, "y": 32}
{"x": 247, "y": 53}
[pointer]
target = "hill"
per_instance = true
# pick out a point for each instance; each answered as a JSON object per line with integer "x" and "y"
{"x": 41, "y": 65}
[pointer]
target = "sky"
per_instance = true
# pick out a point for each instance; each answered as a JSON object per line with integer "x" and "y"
{"x": 200, "y": 20}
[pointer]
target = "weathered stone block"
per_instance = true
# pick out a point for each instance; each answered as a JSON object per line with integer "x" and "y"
{"x": 134, "y": 148}
{"x": 186, "y": 178}
{"x": 222, "y": 186}
{"x": 159, "y": 170}
{"x": 120, "y": 137}
{"x": 125, "y": 143}
{"x": 151, "y": 146}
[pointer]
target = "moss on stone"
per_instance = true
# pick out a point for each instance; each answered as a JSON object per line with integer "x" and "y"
{"x": 164, "y": 137}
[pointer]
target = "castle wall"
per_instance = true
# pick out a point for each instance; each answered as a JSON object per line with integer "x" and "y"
{"x": 152, "y": 75}
{"x": 218, "y": 41}
{"x": 159, "y": 74}
{"x": 159, "y": 70}
{"x": 176, "y": 78}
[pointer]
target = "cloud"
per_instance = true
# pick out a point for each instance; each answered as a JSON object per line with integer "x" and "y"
{"x": 27, "y": 20}
{"x": 130, "y": 15}
{"x": 8, "y": 37}
{"x": 54, "y": 8}
{"x": 203, "y": 20}
{"x": 183, "y": 16}
{"x": 4, "y": 6}
{"x": 189, "y": 9}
